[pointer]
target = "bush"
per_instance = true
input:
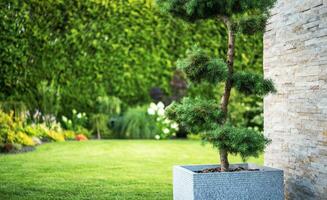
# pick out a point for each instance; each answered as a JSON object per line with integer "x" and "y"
{"x": 24, "y": 139}
{"x": 165, "y": 127}
{"x": 55, "y": 136}
{"x": 17, "y": 108}
{"x": 34, "y": 130}
{"x": 69, "y": 135}
{"x": 15, "y": 133}
{"x": 12, "y": 132}
{"x": 6, "y": 128}
{"x": 77, "y": 123}
{"x": 137, "y": 124}
{"x": 80, "y": 137}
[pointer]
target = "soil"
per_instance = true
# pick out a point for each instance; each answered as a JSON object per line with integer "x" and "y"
{"x": 218, "y": 169}
{"x": 16, "y": 151}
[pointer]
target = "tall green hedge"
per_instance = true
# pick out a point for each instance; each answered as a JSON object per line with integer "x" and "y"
{"x": 122, "y": 46}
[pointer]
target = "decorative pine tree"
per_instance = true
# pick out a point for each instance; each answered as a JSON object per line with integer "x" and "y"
{"x": 211, "y": 117}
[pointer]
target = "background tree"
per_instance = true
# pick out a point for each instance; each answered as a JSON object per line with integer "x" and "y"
{"x": 239, "y": 16}
{"x": 107, "y": 107}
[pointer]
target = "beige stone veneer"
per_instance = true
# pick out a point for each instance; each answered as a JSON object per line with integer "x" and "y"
{"x": 295, "y": 57}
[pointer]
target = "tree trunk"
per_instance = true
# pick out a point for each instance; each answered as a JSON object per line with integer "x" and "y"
{"x": 98, "y": 134}
{"x": 230, "y": 65}
{"x": 224, "y": 160}
{"x": 228, "y": 87}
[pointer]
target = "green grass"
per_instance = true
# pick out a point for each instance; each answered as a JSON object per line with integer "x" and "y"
{"x": 113, "y": 169}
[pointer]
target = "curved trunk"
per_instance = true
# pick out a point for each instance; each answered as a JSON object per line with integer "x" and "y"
{"x": 228, "y": 87}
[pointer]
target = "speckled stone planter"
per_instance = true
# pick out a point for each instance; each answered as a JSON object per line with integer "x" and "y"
{"x": 265, "y": 184}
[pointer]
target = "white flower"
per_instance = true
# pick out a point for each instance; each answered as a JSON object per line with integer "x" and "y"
{"x": 161, "y": 112}
{"x": 165, "y": 130}
{"x": 166, "y": 121}
{"x": 74, "y": 111}
{"x": 64, "y": 118}
{"x": 174, "y": 126}
{"x": 157, "y": 137}
{"x": 160, "y": 105}
{"x": 37, "y": 114}
{"x": 79, "y": 115}
{"x": 153, "y": 106}
{"x": 151, "y": 111}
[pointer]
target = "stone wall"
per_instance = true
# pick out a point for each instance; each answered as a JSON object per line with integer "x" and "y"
{"x": 295, "y": 57}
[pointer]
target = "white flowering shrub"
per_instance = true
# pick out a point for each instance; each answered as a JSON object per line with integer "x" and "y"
{"x": 166, "y": 128}
{"x": 77, "y": 123}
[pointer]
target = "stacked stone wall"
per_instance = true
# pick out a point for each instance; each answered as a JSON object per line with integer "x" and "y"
{"x": 295, "y": 58}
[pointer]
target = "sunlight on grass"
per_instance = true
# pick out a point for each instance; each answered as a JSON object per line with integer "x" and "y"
{"x": 112, "y": 169}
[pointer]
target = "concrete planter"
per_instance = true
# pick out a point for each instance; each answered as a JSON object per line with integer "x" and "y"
{"x": 265, "y": 184}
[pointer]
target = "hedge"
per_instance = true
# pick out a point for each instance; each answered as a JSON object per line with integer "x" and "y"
{"x": 124, "y": 47}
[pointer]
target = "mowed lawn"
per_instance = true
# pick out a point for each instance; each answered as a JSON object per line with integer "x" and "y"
{"x": 108, "y": 169}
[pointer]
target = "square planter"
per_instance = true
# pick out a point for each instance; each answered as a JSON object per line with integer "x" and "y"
{"x": 265, "y": 184}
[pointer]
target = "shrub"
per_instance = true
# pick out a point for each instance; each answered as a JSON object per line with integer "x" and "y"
{"x": 77, "y": 123}
{"x": 55, "y": 136}
{"x": 77, "y": 120}
{"x": 69, "y": 135}
{"x": 6, "y": 127}
{"x": 165, "y": 127}
{"x": 42, "y": 131}
{"x": 24, "y": 139}
{"x": 12, "y": 132}
{"x": 34, "y": 130}
{"x": 18, "y": 108}
{"x": 137, "y": 124}
{"x": 80, "y": 137}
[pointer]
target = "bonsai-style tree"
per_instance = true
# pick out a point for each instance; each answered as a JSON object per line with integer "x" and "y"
{"x": 211, "y": 117}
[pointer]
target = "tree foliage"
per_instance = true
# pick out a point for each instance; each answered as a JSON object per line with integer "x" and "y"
{"x": 126, "y": 47}
{"x": 243, "y": 141}
{"x": 191, "y": 10}
{"x": 199, "y": 67}
{"x": 197, "y": 115}
{"x": 247, "y": 16}
{"x": 252, "y": 84}
{"x": 244, "y": 16}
